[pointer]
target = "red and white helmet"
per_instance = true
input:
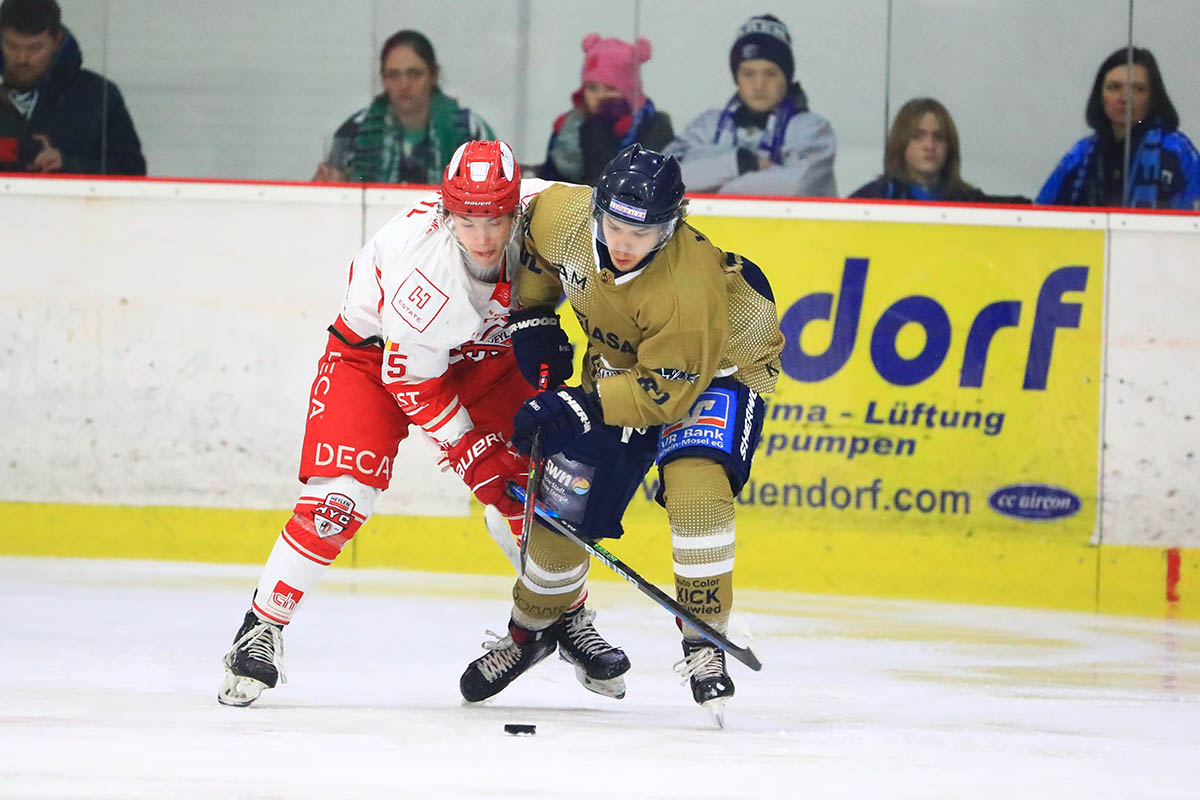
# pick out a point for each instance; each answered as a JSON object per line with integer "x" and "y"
{"x": 482, "y": 179}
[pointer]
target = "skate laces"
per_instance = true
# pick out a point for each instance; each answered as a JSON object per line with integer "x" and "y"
{"x": 263, "y": 642}
{"x": 706, "y": 661}
{"x": 584, "y": 635}
{"x": 504, "y": 655}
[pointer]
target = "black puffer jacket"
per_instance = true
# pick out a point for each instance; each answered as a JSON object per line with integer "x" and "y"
{"x": 84, "y": 116}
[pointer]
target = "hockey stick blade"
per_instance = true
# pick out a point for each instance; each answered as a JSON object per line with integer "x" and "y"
{"x": 561, "y": 526}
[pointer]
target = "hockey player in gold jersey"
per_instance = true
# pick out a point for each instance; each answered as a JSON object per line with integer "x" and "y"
{"x": 683, "y": 339}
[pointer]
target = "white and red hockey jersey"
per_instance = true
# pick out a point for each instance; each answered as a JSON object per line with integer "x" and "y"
{"x": 410, "y": 288}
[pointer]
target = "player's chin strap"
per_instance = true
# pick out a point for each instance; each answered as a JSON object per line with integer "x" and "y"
{"x": 536, "y": 462}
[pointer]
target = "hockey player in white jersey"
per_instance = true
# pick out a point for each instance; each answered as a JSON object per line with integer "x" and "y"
{"x": 420, "y": 341}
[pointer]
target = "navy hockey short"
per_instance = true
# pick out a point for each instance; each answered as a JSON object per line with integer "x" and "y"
{"x": 592, "y": 481}
{"x": 724, "y": 424}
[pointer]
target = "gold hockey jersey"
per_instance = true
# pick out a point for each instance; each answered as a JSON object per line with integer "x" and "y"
{"x": 659, "y": 335}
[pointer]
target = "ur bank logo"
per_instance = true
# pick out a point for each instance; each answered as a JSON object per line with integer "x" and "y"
{"x": 1036, "y": 502}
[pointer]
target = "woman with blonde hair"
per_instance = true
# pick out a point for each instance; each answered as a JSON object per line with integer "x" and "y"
{"x": 922, "y": 159}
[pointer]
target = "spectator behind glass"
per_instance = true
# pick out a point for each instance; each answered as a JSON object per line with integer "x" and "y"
{"x": 75, "y": 119}
{"x": 922, "y": 159}
{"x": 764, "y": 141}
{"x": 1165, "y": 167}
{"x": 610, "y": 112}
{"x": 410, "y": 131}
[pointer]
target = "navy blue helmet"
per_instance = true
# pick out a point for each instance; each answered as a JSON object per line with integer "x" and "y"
{"x": 640, "y": 186}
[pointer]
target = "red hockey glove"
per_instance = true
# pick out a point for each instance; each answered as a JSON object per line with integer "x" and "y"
{"x": 486, "y": 464}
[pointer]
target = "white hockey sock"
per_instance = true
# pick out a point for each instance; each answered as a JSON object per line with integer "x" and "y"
{"x": 286, "y": 578}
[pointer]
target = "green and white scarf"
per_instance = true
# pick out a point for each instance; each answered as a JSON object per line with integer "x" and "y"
{"x": 384, "y": 154}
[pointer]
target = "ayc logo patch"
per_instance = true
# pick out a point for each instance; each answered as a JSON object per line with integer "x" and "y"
{"x": 332, "y": 516}
{"x": 418, "y": 301}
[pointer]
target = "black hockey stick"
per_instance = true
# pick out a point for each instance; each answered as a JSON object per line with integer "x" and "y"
{"x": 561, "y": 526}
{"x": 535, "y": 472}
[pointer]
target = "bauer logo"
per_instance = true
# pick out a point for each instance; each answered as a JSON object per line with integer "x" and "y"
{"x": 1036, "y": 502}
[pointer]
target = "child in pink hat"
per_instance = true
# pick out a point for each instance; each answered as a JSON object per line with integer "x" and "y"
{"x": 610, "y": 111}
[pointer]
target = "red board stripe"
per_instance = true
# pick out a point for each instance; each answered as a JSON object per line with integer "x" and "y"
{"x": 1173, "y": 561}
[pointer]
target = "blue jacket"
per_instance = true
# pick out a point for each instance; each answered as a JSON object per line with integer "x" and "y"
{"x": 1164, "y": 167}
{"x": 886, "y": 188}
{"x": 70, "y": 111}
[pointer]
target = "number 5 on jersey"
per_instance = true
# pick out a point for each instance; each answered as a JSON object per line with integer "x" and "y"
{"x": 394, "y": 367}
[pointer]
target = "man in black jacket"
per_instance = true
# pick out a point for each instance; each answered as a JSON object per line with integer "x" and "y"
{"x": 75, "y": 119}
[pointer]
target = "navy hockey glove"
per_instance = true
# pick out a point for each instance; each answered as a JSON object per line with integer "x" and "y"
{"x": 537, "y": 339}
{"x": 562, "y": 415}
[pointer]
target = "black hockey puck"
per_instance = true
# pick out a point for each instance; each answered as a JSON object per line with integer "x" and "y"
{"x": 520, "y": 730}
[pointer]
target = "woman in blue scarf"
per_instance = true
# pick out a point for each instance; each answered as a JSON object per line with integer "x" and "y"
{"x": 1164, "y": 167}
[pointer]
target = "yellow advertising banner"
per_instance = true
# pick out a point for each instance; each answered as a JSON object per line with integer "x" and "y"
{"x": 937, "y": 380}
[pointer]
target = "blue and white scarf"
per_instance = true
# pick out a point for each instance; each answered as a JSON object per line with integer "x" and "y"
{"x": 1145, "y": 170}
{"x": 771, "y": 142}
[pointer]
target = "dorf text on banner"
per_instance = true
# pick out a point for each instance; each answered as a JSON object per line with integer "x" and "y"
{"x": 936, "y": 378}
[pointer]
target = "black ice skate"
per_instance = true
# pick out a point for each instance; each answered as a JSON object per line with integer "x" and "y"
{"x": 253, "y": 663}
{"x": 704, "y": 665}
{"x": 507, "y": 658}
{"x": 598, "y": 665}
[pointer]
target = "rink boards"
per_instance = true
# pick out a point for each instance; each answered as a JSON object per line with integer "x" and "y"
{"x": 976, "y": 404}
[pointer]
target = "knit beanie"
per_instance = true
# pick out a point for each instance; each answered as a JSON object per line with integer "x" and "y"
{"x": 766, "y": 37}
{"x": 618, "y": 64}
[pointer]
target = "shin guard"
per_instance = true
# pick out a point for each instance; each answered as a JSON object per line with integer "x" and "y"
{"x": 329, "y": 513}
{"x": 554, "y": 581}
{"x": 700, "y": 508}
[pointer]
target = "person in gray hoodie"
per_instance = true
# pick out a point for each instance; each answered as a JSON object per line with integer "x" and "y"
{"x": 764, "y": 141}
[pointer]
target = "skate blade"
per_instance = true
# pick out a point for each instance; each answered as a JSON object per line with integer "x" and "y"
{"x": 716, "y": 707}
{"x": 238, "y": 691}
{"x": 609, "y": 687}
{"x": 612, "y": 687}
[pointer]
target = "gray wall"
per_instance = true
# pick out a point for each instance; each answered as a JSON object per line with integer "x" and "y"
{"x": 230, "y": 89}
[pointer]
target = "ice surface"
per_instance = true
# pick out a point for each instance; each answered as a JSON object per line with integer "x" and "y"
{"x": 109, "y": 670}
